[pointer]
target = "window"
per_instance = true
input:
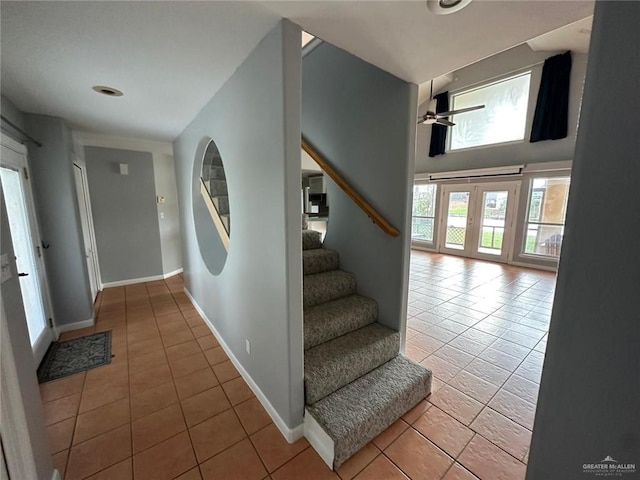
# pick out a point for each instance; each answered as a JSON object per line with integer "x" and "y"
{"x": 545, "y": 216}
{"x": 502, "y": 120}
{"x": 424, "y": 208}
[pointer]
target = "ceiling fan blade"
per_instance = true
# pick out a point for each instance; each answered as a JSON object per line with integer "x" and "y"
{"x": 456, "y": 112}
{"x": 444, "y": 123}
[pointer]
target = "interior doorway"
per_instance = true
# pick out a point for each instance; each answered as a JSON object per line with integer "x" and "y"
{"x": 88, "y": 235}
{"x": 477, "y": 220}
{"x": 18, "y": 199}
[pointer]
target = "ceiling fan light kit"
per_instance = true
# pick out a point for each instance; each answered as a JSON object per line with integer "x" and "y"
{"x": 445, "y": 7}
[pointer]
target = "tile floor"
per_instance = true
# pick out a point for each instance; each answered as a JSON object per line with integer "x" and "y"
{"x": 172, "y": 406}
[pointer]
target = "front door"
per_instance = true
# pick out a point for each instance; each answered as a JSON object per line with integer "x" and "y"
{"x": 478, "y": 220}
{"x": 26, "y": 245}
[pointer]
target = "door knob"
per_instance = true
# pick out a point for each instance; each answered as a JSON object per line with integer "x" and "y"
{"x": 23, "y": 274}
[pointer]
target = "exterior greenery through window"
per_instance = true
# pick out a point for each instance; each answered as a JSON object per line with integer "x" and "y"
{"x": 546, "y": 216}
{"x": 502, "y": 120}
{"x": 424, "y": 209}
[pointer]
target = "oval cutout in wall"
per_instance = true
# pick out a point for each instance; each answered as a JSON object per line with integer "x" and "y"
{"x": 211, "y": 211}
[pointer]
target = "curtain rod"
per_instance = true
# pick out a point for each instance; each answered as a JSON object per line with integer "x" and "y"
{"x": 19, "y": 130}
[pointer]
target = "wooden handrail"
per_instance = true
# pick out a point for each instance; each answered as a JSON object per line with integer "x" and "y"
{"x": 366, "y": 207}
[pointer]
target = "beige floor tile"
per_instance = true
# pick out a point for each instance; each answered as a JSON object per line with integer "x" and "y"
{"x": 101, "y": 420}
{"x": 157, "y": 427}
{"x": 99, "y": 453}
{"x": 165, "y": 460}
{"x": 273, "y": 448}
{"x": 239, "y": 462}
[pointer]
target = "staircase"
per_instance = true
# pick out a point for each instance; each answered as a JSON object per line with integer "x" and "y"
{"x": 215, "y": 180}
{"x": 356, "y": 382}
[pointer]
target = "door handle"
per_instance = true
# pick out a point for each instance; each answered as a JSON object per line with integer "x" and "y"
{"x": 23, "y": 274}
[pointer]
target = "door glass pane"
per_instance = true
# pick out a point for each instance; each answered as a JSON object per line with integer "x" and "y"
{"x": 424, "y": 201}
{"x": 25, "y": 259}
{"x": 494, "y": 212}
{"x": 457, "y": 213}
{"x": 546, "y": 216}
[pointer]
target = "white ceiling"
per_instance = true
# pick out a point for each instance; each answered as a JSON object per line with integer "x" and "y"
{"x": 170, "y": 58}
{"x": 574, "y": 37}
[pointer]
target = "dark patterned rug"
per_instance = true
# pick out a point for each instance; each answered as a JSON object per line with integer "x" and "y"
{"x": 74, "y": 356}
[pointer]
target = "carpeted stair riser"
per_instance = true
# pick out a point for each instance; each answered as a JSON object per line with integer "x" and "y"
{"x": 319, "y": 260}
{"x": 360, "y": 411}
{"x": 213, "y": 172}
{"x": 336, "y": 363}
{"x": 324, "y": 287}
{"x": 311, "y": 240}
{"x": 218, "y": 188}
{"x": 223, "y": 204}
{"x": 333, "y": 319}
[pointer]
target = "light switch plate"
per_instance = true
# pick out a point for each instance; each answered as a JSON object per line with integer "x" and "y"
{"x": 6, "y": 268}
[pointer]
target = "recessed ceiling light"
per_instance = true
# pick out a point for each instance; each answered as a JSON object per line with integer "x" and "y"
{"x": 445, "y": 7}
{"x": 108, "y": 91}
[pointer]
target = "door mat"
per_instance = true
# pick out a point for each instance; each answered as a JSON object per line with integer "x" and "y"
{"x": 74, "y": 356}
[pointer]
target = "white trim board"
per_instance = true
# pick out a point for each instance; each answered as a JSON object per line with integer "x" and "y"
{"x": 132, "y": 281}
{"x": 290, "y": 434}
{"x": 58, "y": 329}
{"x": 319, "y": 440}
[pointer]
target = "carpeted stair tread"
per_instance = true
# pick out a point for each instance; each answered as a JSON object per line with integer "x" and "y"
{"x": 334, "y": 364}
{"x": 311, "y": 240}
{"x": 217, "y": 188}
{"x": 358, "y": 412}
{"x": 333, "y": 319}
{"x": 319, "y": 260}
{"x": 326, "y": 286}
{"x": 222, "y": 204}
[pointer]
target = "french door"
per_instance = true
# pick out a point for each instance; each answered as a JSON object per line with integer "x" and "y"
{"x": 477, "y": 220}
{"x": 26, "y": 241}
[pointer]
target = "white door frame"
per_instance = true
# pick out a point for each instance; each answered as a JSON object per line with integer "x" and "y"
{"x": 48, "y": 335}
{"x": 85, "y": 198}
{"x": 509, "y": 231}
{"x": 472, "y": 233}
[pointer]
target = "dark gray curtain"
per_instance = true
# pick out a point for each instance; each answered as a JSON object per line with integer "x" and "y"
{"x": 551, "y": 116}
{"x": 439, "y": 132}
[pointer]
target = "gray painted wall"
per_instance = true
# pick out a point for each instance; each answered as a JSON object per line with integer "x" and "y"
{"x": 124, "y": 212}
{"x": 25, "y": 367}
{"x": 15, "y": 116}
{"x": 589, "y": 402}
{"x": 502, "y": 65}
{"x": 58, "y": 213}
{"x": 254, "y": 120}
{"x": 361, "y": 119}
{"x": 168, "y": 215}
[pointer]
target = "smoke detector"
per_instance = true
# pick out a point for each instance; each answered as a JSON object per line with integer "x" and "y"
{"x": 445, "y": 7}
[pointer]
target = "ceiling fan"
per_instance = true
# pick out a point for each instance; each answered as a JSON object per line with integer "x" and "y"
{"x": 431, "y": 117}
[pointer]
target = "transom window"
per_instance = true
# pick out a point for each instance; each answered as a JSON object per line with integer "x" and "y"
{"x": 502, "y": 120}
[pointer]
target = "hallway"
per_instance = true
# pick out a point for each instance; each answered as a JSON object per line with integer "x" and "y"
{"x": 172, "y": 406}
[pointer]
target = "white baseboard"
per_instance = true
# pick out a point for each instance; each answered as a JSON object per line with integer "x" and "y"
{"x": 171, "y": 274}
{"x": 56, "y": 475}
{"x": 132, "y": 281}
{"x": 319, "y": 440}
{"x": 290, "y": 434}
{"x": 534, "y": 266}
{"x": 58, "y": 329}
